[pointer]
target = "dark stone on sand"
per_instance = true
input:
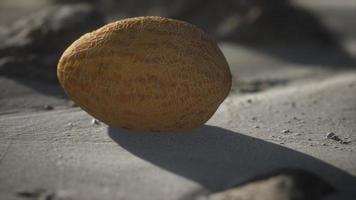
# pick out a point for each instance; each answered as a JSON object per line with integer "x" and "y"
{"x": 48, "y": 107}
{"x": 288, "y": 184}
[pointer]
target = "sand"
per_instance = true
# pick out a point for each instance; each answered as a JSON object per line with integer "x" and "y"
{"x": 61, "y": 153}
{"x": 285, "y": 101}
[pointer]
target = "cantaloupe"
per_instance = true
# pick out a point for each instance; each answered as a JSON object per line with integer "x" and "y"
{"x": 150, "y": 74}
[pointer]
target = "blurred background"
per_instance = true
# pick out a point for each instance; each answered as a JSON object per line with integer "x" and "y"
{"x": 313, "y": 33}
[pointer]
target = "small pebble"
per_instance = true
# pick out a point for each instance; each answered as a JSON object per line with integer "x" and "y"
{"x": 309, "y": 139}
{"x": 286, "y": 131}
{"x": 336, "y": 138}
{"x": 344, "y": 142}
{"x": 324, "y": 144}
{"x": 298, "y": 134}
{"x": 257, "y": 127}
{"x": 48, "y": 107}
{"x": 330, "y": 135}
{"x": 73, "y": 104}
{"x": 253, "y": 118}
{"x": 249, "y": 100}
{"x": 95, "y": 121}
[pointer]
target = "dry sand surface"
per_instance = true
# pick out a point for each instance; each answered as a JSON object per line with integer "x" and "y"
{"x": 284, "y": 102}
{"x": 60, "y": 152}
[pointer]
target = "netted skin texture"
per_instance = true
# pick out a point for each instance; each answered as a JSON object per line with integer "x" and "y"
{"x": 149, "y": 74}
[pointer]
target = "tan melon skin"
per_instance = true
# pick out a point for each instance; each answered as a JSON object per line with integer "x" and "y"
{"x": 149, "y": 74}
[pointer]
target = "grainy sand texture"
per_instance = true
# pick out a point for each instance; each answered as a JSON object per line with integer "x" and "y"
{"x": 290, "y": 107}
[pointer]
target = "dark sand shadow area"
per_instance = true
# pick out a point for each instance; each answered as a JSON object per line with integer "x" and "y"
{"x": 218, "y": 158}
